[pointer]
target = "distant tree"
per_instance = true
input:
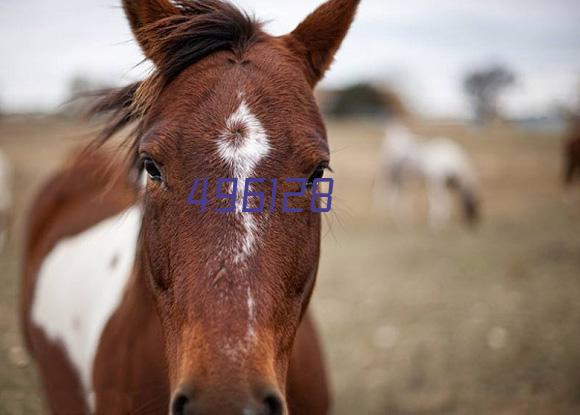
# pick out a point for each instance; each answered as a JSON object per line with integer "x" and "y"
{"x": 394, "y": 105}
{"x": 358, "y": 99}
{"x": 483, "y": 88}
{"x": 364, "y": 99}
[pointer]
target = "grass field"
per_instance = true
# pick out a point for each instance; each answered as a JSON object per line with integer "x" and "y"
{"x": 483, "y": 321}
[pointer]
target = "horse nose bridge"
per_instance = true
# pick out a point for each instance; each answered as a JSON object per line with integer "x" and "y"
{"x": 224, "y": 333}
{"x": 231, "y": 309}
{"x": 216, "y": 353}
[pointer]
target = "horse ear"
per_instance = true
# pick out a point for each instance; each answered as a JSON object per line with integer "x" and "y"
{"x": 142, "y": 14}
{"x": 317, "y": 39}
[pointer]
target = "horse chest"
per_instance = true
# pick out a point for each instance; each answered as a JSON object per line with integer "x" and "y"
{"x": 81, "y": 283}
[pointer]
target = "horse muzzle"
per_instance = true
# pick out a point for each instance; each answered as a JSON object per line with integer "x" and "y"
{"x": 262, "y": 401}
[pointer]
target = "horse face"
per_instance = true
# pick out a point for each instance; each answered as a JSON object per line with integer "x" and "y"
{"x": 231, "y": 288}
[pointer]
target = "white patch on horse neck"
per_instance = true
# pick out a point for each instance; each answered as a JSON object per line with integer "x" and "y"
{"x": 242, "y": 154}
{"x": 81, "y": 283}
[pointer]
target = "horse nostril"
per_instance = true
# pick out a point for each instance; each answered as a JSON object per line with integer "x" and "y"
{"x": 273, "y": 404}
{"x": 181, "y": 405}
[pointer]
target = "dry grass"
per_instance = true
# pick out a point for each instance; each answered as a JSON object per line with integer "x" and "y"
{"x": 414, "y": 322}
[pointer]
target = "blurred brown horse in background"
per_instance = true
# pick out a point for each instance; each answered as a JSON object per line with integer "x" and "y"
{"x": 134, "y": 301}
{"x": 572, "y": 152}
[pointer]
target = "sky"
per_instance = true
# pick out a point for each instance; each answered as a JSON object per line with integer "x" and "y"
{"x": 422, "y": 48}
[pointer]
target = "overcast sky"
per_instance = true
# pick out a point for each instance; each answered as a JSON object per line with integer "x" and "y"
{"x": 421, "y": 47}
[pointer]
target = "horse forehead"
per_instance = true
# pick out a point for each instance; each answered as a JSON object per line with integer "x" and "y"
{"x": 206, "y": 101}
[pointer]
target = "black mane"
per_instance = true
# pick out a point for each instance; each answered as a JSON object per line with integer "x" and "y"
{"x": 204, "y": 27}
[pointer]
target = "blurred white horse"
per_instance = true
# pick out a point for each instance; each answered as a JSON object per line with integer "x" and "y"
{"x": 440, "y": 162}
{"x": 5, "y": 197}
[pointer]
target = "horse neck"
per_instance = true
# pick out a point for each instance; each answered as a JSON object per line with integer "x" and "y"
{"x": 137, "y": 310}
{"x": 138, "y": 293}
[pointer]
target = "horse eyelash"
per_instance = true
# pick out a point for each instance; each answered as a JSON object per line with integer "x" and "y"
{"x": 326, "y": 166}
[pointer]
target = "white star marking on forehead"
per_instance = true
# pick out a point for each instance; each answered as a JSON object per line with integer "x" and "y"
{"x": 243, "y": 153}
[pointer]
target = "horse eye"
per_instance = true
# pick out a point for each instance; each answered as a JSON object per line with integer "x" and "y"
{"x": 317, "y": 174}
{"x": 152, "y": 170}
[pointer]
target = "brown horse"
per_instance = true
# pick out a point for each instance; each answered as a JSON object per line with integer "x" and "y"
{"x": 135, "y": 301}
{"x": 572, "y": 152}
